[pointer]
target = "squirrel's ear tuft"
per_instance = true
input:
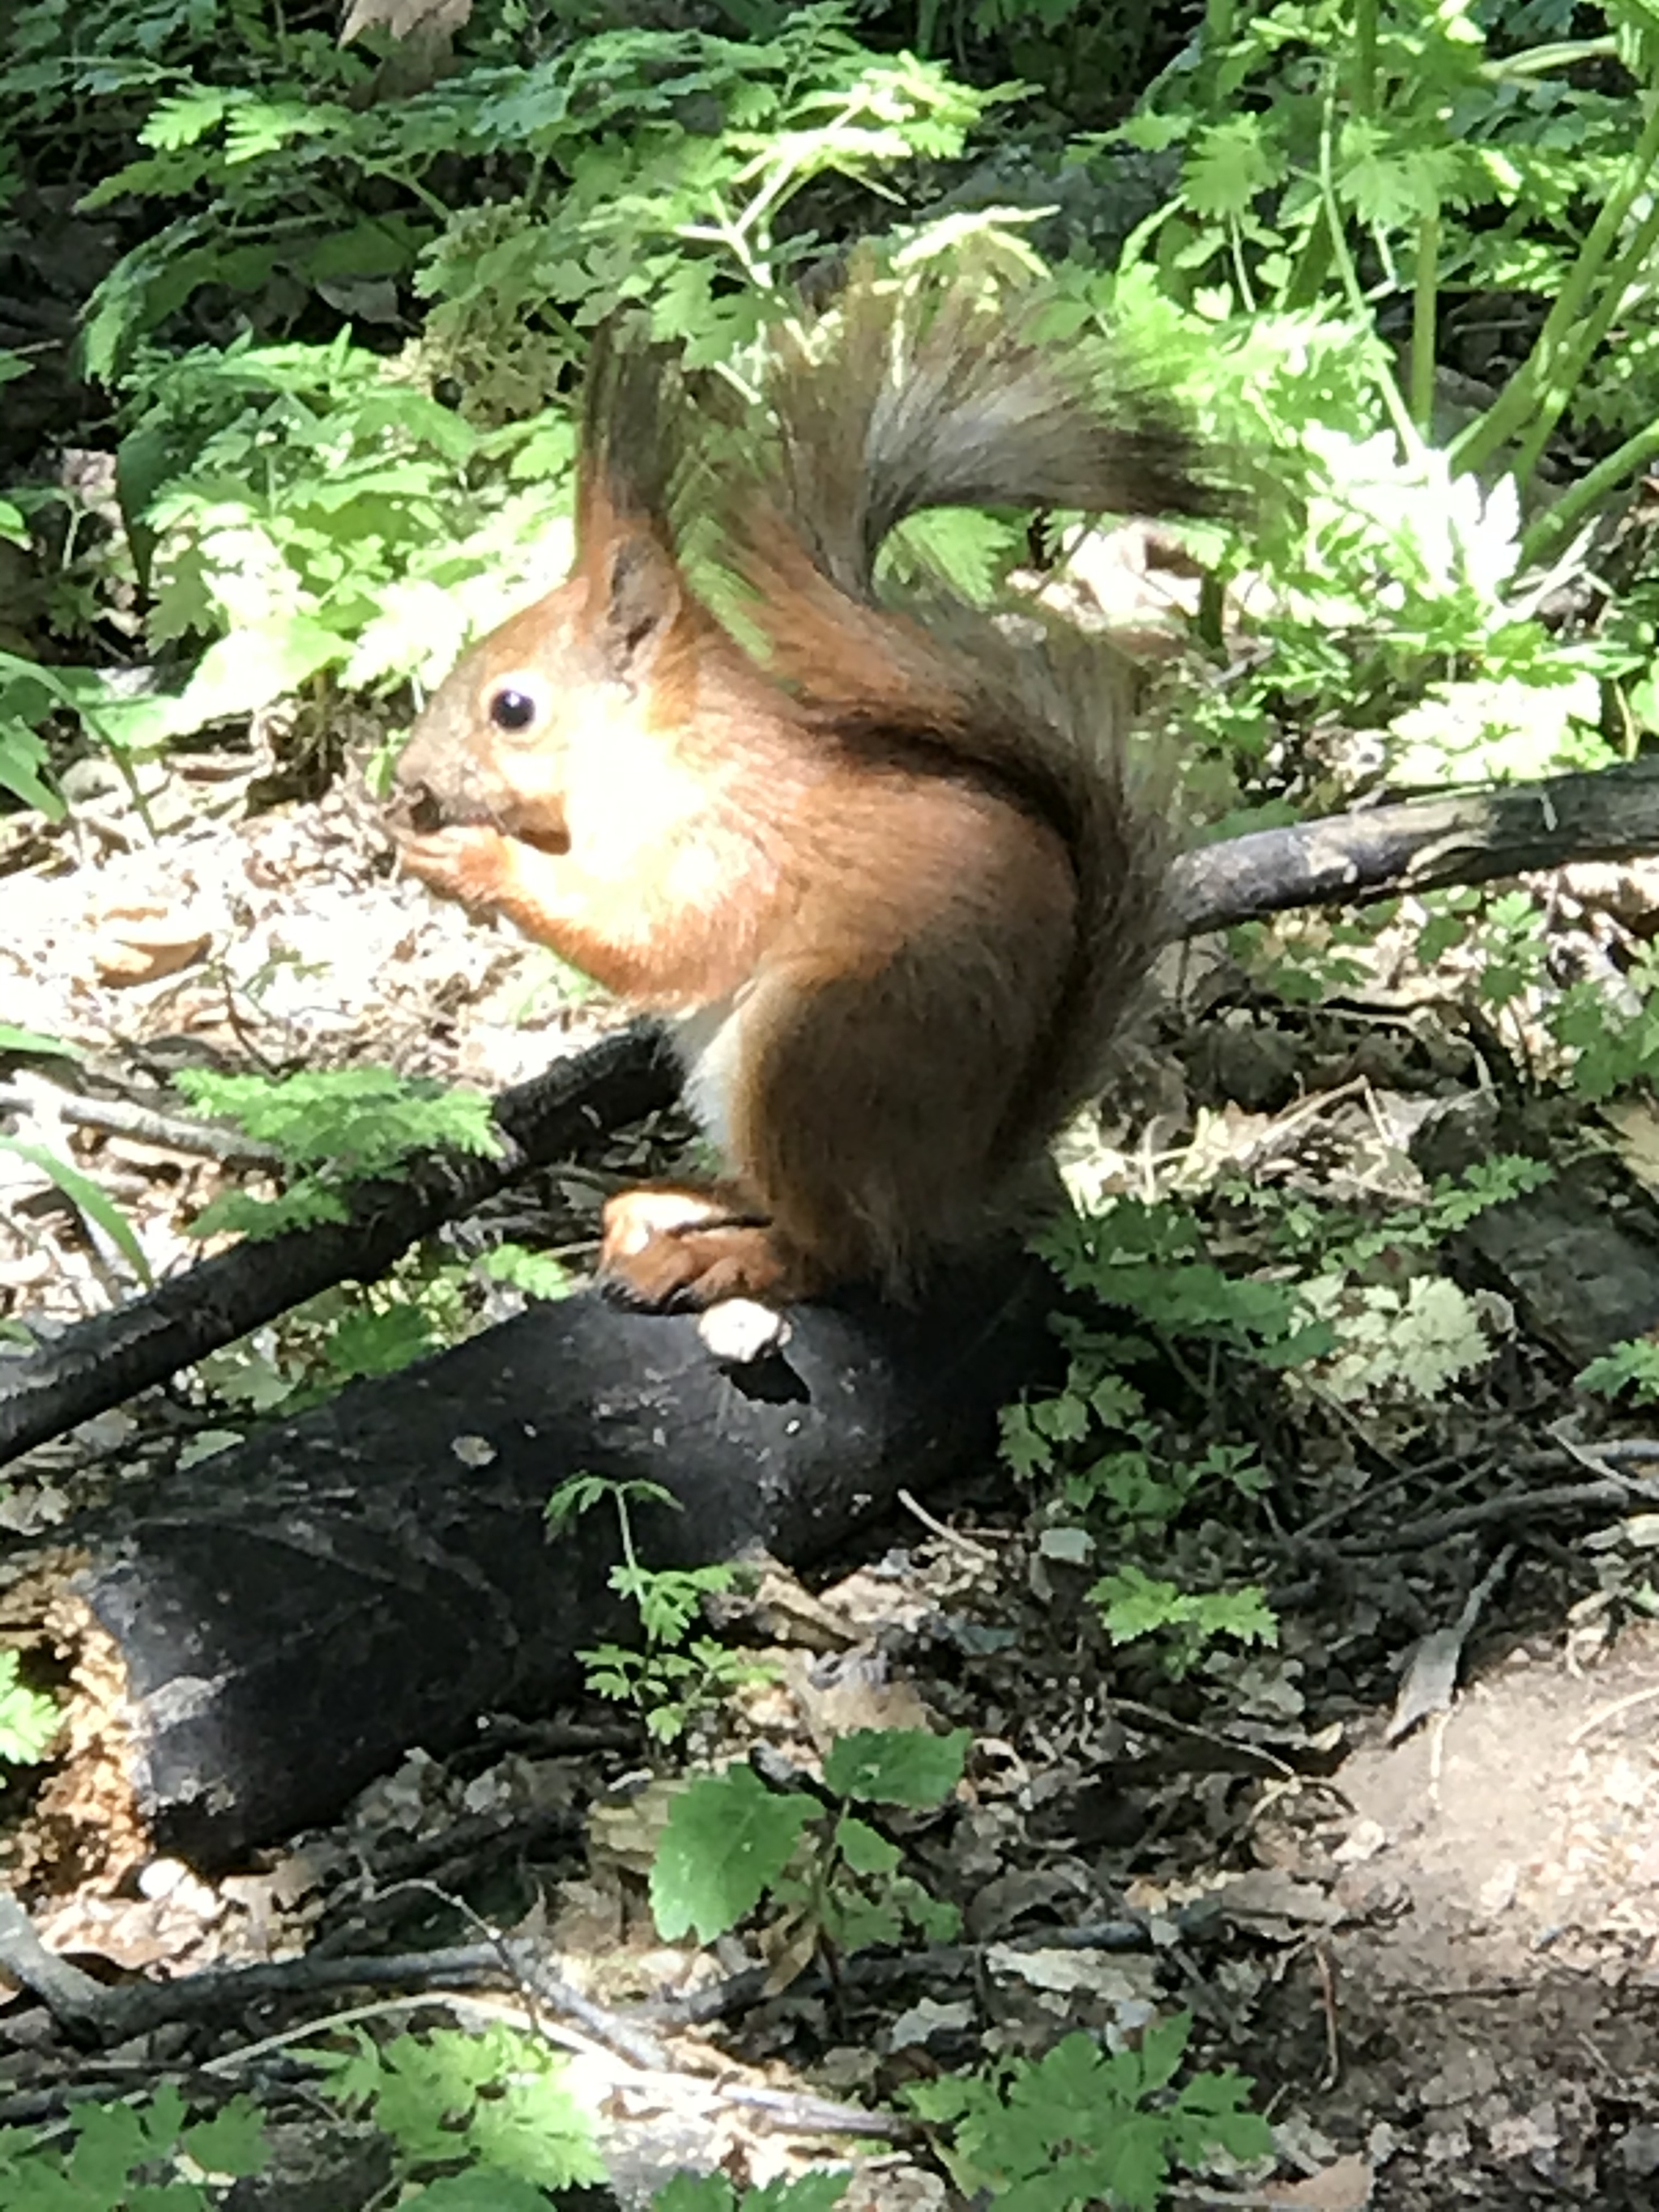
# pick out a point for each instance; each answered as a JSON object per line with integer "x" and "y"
{"x": 639, "y": 597}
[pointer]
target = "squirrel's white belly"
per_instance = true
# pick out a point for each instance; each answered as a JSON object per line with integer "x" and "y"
{"x": 708, "y": 1046}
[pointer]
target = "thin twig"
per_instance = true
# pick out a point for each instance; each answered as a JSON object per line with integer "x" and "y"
{"x": 120, "y": 1117}
{"x": 980, "y": 1553}
{"x": 1517, "y": 1505}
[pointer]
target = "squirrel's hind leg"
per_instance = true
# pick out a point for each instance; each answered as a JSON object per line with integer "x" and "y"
{"x": 671, "y": 1247}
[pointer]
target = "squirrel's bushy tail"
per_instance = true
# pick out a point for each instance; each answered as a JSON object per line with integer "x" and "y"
{"x": 903, "y": 397}
{"x": 896, "y": 400}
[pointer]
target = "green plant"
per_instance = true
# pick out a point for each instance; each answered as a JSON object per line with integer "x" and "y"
{"x": 713, "y": 2192}
{"x": 1084, "y": 2126}
{"x": 29, "y": 695}
{"x": 1614, "y": 1043}
{"x": 1180, "y": 1624}
{"x": 635, "y": 159}
{"x": 538, "y": 1274}
{"x": 330, "y": 1128}
{"x": 98, "y": 1212}
{"x": 1314, "y": 131}
{"x": 29, "y": 1721}
{"x": 674, "y": 1675}
{"x": 1302, "y": 960}
{"x": 151, "y": 2157}
{"x": 35, "y": 1042}
{"x": 834, "y": 1876}
{"x": 1335, "y": 1239}
{"x": 1632, "y": 1366}
{"x": 1328, "y": 1296}
{"x": 300, "y": 517}
{"x": 492, "y": 2108}
{"x": 1344, "y": 163}
{"x": 307, "y": 514}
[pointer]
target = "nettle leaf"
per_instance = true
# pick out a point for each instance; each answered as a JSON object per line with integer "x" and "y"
{"x": 727, "y": 1839}
{"x": 1024, "y": 1446}
{"x": 1230, "y": 164}
{"x": 896, "y": 1766}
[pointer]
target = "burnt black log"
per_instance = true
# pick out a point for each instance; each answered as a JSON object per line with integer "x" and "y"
{"x": 287, "y": 1617}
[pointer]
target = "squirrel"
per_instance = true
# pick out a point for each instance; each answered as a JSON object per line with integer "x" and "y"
{"x": 890, "y": 860}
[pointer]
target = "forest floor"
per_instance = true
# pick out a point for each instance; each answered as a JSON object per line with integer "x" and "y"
{"x": 1425, "y": 1918}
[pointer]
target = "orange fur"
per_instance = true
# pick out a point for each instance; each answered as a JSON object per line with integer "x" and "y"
{"x": 890, "y": 862}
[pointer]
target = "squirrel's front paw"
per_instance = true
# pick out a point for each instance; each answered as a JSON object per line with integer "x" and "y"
{"x": 467, "y": 861}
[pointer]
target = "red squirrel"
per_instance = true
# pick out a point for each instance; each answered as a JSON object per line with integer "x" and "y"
{"x": 889, "y": 859}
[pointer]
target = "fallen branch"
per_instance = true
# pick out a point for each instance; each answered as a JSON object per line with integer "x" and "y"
{"x": 1344, "y": 858}
{"x": 104, "y": 1361}
{"x": 1419, "y": 845}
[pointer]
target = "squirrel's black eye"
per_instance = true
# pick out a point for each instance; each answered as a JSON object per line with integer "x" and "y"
{"x": 512, "y": 710}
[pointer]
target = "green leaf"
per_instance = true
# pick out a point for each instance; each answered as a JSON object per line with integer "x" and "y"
{"x": 1162, "y": 2044}
{"x": 478, "y": 2190}
{"x": 1026, "y": 1449}
{"x": 29, "y": 1719}
{"x": 727, "y": 1839}
{"x": 1229, "y": 164}
{"x": 538, "y": 1274}
{"x": 864, "y": 1850}
{"x": 22, "y": 757}
{"x": 379, "y": 1341}
{"x": 501, "y": 2097}
{"x": 232, "y": 2142}
{"x": 13, "y": 1039}
{"x": 86, "y": 1198}
{"x": 254, "y": 667}
{"x": 896, "y": 1766}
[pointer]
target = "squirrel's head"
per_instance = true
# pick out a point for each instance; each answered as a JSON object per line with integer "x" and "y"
{"x": 495, "y": 744}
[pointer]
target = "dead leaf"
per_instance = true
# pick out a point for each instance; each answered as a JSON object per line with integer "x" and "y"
{"x": 1635, "y": 1125}
{"x": 1347, "y": 2186}
{"x": 625, "y": 1832}
{"x": 788, "y": 1945}
{"x": 858, "y": 1696}
{"x": 143, "y": 942}
{"x": 780, "y": 1609}
{"x": 433, "y": 20}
